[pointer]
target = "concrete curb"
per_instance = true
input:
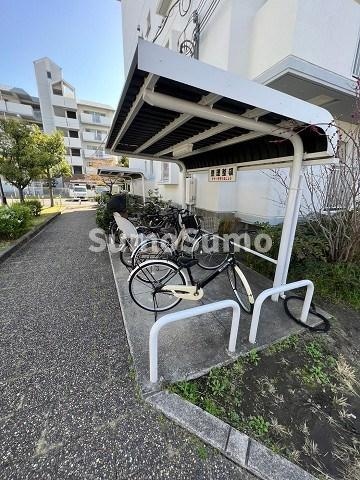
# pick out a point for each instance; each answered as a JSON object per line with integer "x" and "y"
{"x": 237, "y": 446}
{"x": 4, "y": 254}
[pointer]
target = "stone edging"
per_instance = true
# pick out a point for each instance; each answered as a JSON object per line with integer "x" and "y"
{"x": 4, "y": 254}
{"x": 241, "y": 449}
{"x": 237, "y": 446}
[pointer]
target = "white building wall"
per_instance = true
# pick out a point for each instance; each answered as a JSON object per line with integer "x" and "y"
{"x": 249, "y": 37}
{"x": 324, "y": 33}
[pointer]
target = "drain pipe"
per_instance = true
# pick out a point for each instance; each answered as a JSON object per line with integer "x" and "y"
{"x": 167, "y": 102}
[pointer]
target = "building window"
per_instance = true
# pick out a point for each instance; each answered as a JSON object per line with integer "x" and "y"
{"x": 165, "y": 172}
{"x": 73, "y": 134}
{"x": 48, "y": 74}
{"x": 70, "y": 114}
{"x": 148, "y": 24}
{"x": 356, "y": 69}
{"x": 77, "y": 169}
{"x": 75, "y": 152}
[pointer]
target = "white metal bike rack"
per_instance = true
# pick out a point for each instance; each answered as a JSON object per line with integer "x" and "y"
{"x": 274, "y": 291}
{"x": 182, "y": 315}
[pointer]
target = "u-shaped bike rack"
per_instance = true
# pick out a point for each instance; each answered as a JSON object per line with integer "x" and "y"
{"x": 274, "y": 291}
{"x": 182, "y": 315}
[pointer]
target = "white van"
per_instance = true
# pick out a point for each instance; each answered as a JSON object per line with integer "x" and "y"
{"x": 79, "y": 192}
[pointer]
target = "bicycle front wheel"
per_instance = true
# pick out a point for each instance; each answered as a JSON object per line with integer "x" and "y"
{"x": 211, "y": 251}
{"x": 145, "y": 281}
{"x": 241, "y": 288}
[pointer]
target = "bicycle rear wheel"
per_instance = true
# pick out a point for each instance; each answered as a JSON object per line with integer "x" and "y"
{"x": 125, "y": 253}
{"x": 241, "y": 288}
{"x": 145, "y": 280}
{"x": 211, "y": 251}
{"x": 152, "y": 249}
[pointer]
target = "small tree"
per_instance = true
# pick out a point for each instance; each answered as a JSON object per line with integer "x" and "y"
{"x": 51, "y": 150}
{"x": 19, "y": 158}
{"x": 123, "y": 161}
{"x": 331, "y": 201}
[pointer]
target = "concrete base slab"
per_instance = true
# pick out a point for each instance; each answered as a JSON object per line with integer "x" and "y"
{"x": 190, "y": 348}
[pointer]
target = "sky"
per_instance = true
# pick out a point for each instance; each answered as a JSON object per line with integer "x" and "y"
{"x": 83, "y": 37}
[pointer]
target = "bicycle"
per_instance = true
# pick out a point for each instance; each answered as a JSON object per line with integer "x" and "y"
{"x": 210, "y": 250}
{"x": 151, "y": 290}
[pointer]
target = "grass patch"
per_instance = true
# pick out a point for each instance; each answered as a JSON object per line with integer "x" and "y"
{"x": 44, "y": 216}
{"x": 300, "y": 397}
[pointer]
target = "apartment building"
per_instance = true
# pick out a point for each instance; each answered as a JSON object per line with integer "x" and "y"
{"x": 17, "y": 103}
{"x": 84, "y": 124}
{"x": 308, "y": 49}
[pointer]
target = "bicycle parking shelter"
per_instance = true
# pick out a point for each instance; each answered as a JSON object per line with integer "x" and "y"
{"x": 123, "y": 173}
{"x": 177, "y": 109}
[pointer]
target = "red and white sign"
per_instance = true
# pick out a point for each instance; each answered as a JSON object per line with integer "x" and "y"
{"x": 222, "y": 174}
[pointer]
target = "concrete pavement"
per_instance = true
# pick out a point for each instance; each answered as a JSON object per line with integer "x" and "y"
{"x": 69, "y": 406}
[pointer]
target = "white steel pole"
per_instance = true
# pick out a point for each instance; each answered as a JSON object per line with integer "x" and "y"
{"x": 293, "y": 227}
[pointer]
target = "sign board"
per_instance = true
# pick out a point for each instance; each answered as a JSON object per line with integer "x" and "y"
{"x": 222, "y": 174}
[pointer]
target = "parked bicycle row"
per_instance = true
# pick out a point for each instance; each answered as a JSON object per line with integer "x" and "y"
{"x": 161, "y": 246}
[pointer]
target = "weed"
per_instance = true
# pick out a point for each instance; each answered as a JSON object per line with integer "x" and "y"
{"x": 218, "y": 382}
{"x": 268, "y": 386}
{"x": 310, "y": 448}
{"x": 188, "y": 390}
{"x": 211, "y": 407}
{"x": 286, "y": 344}
{"x": 314, "y": 350}
{"x": 279, "y": 429}
{"x": 253, "y": 357}
{"x": 346, "y": 375}
{"x": 258, "y": 425}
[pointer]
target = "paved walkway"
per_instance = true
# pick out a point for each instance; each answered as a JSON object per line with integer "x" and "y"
{"x": 69, "y": 406}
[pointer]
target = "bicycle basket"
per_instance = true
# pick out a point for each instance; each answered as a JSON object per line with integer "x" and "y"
{"x": 189, "y": 221}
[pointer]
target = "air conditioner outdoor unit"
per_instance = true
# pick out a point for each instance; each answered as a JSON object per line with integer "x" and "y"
{"x": 190, "y": 191}
{"x": 163, "y": 7}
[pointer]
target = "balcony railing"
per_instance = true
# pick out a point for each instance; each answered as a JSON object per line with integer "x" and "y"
{"x": 13, "y": 108}
{"x": 93, "y": 137}
{"x": 66, "y": 122}
{"x": 60, "y": 101}
{"x": 95, "y": 119}
{"x": 72, "y": 142}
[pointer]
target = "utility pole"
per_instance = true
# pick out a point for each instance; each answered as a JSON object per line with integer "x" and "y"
{"x": 196, "y": 34}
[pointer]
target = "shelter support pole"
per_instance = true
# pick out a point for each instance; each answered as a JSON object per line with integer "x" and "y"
{"x": 287, "y": 237}
{"x": 183, "y": 190}
{"x": 143, "y": 188}
{"x": 291, "y": 216}
{"x": 293, "y": 228}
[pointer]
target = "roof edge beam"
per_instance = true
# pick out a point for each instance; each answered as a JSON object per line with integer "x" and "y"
{"x": 148, "y": 84}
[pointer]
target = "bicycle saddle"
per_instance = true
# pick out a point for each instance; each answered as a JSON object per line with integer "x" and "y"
{"x": 187, "y": 262}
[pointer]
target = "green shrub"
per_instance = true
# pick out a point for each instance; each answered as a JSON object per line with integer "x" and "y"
{"x": 35, "y": 207}
{"x": 103, "y": 217}
{"x": 14, "y": 221}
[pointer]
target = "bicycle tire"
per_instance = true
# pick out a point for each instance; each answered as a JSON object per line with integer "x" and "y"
{"x": 151, "y": 303}
{"x": 241, "y": 289}
{"x": 159, "y": 249}
{"x": 322, "y": 328}
{"x": 210, "y": 260}
{"x": 125, "y": 255}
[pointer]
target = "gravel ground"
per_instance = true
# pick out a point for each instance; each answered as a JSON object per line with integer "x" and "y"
{"x": 69, "y": 405}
